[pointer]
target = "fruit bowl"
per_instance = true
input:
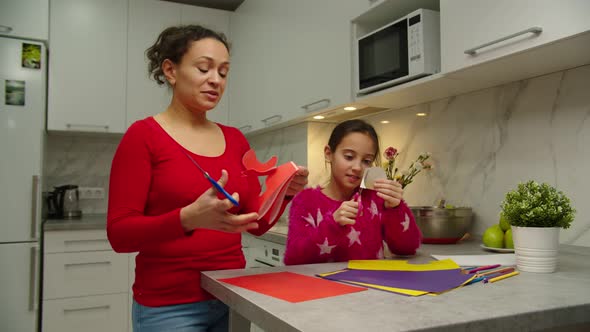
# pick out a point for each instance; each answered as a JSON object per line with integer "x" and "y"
{"x": 442, "y": 225}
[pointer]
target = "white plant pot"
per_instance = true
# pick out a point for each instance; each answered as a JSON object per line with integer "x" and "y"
{"x": 536, "y": 248}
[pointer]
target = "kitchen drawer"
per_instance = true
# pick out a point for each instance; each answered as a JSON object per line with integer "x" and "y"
{"x": 88, "y": 314}
{"x": 85, "y": 273}
{"x": 76, "y": 241}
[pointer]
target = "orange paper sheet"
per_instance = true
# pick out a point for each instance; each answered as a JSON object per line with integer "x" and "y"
{"x": 292, "y": 287}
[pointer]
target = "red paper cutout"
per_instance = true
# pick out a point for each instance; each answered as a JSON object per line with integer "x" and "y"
{"x": 270, "y": 202}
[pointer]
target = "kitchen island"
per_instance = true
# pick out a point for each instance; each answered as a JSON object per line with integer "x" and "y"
{"x": 528, "y": 302}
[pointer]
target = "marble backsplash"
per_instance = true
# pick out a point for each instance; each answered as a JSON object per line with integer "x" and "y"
{"x": 81, "y": 160}
{"x": 482, "y": 144}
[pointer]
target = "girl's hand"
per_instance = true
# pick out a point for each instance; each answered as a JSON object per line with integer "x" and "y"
{"x": 391, "y": 192}
{"x": 208, "y": 211}
{"x": 298, "y": 182}
{"x": 346, "y": 213}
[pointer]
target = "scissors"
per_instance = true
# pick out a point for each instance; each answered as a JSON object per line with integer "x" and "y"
{"x": 213, "y": 182}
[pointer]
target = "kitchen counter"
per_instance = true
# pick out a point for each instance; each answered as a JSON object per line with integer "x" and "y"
{"x": 91, "y": 221}
{"x": 529, "y": 301}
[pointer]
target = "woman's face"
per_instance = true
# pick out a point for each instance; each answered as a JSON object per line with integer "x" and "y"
{"x": 353, "y": 155}
{"x": 199, "y": 79}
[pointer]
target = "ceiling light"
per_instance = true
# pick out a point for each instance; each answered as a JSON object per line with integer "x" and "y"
{"x": 319, "y": 117}
{"x": 385, "y": 121}
{"x": 420, "y": 114}
{"x": 350, "y": 108}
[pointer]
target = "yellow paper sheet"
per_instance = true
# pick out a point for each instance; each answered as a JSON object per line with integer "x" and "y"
{"x": 396, "y": 265}
{"x": 410, "y": 292}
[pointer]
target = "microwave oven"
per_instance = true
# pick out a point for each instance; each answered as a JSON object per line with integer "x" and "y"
{"x": 404, "y": 50}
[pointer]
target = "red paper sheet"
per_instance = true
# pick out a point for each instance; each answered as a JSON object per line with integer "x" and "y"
{"x": 292, "y": 287}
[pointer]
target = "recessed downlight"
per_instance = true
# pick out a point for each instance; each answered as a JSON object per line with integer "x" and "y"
{"x": 421, "y": 114}
{"x": 319, "y": 117}
{"x": 385, "y": 121}
{"x": 350, "y": 108}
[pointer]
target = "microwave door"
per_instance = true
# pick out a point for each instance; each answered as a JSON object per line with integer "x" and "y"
{"x": 383, "y": 56}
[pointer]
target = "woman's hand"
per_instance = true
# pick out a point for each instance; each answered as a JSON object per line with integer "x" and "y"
{"x": 210, "y": 212}
{"x": 298, "y": 182}
{"x": 391, "y": 192}
{"x": 346, "y": 213}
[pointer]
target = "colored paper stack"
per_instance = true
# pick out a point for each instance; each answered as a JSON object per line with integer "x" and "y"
{"x": 401, "y": 277}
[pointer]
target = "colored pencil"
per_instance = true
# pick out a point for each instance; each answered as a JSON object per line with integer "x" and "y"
{"x": 474, "y": 280}
{"x": 501, "y": 271}
{"x": 504, "y": 276}
{"x": 487, "y": 267}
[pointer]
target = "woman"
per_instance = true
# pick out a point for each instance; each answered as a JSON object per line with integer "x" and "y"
{"x": 160, "y": 203}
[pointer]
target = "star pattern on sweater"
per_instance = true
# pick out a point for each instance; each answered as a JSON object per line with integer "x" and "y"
{"x": 374, "y": 210}
{"x": 406, "y": 222}
{"x": 353, "y": 236}
{"x": 314, "y": 222}
{"x": 380, "y": 254}
{"x": 325, "y": 248}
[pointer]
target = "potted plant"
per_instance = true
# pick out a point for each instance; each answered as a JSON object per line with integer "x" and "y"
{"x": 536, "y": 213}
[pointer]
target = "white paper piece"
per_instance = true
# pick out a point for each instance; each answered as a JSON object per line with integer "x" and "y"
{"x": 479, "y": 260}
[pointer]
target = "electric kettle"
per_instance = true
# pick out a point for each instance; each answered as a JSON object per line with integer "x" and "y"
{"x": 62, "y": 202}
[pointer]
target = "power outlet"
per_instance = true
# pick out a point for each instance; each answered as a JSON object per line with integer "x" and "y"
{"x": 91, "y": 192}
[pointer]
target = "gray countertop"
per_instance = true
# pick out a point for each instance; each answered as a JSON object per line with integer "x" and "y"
{"x": 526, "y": 302}
{"x": 91, "y": 221}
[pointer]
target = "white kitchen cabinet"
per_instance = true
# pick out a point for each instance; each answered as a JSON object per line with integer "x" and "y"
{"x": 147, "y": 19}
{"x": 466, "y": 24}
{"x": 87, "y": 66}
{"x": 85, "y": 283}
{"x": 289, "y": 58}
{"x": 24, "y": 18}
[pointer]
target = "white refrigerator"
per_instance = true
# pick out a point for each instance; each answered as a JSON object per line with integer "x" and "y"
{"x": 23, "y": 72}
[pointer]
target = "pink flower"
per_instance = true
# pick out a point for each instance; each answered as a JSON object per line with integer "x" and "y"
{"x": 390, "y": 153}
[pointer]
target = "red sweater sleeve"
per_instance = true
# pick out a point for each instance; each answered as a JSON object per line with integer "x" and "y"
{"x": 401, "y": 233}
{"x": 128, "y": 229}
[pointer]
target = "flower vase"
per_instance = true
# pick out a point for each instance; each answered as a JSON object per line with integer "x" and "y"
{"x": 536, "y": 248}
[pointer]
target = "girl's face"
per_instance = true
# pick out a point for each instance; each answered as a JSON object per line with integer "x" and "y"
{"x": 199, "y": 79}
{"x": 353, "y": 155}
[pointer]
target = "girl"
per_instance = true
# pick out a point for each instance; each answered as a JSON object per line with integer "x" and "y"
{"x": 339, "y": 223}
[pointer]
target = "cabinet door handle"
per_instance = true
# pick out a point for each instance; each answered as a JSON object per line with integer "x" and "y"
{"x": 72, "y": 126}
{"x": 34, "y": 203}
{"x": 73, "y": 242}
{"x": 33, "y": 277}
{"x": 245, "y": 128}
{"x": 98, "y": 307}
{"x": 276, "y": 119}
{"x": 535, "y": 30}
{"x": 5, "y": 28}
{"x": 87, "y": 263}
{"x": 308, "y": 108}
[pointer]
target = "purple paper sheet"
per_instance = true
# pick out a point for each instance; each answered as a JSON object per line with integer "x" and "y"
{"x": 429, "y": 281}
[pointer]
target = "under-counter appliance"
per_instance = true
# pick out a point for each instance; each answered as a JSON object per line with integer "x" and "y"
{"x": 23, "y": 73}
{"x": 403, "y": 50}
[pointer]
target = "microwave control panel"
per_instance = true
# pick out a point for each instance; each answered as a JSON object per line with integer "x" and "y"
{"x": 414, "y": 42}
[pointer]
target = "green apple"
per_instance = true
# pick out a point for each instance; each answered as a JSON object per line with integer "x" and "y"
{"x": 508, "y": 239}
{"x": 493, "y": 237}
{"x": 504, "y": 224}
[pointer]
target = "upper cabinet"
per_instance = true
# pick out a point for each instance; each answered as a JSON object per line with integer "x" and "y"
{"x": 24, "y": 18}
{"x": 477, "y": 31}
{"x": 147, "y": 18}
{"x": 289, "y": 58}
{"x": 488, "y": 43}
{"x": 87, "y": 66}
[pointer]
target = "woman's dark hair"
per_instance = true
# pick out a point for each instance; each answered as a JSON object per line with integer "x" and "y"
{"x": 173, "y": 43}
{"x": 354, "y": 126}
